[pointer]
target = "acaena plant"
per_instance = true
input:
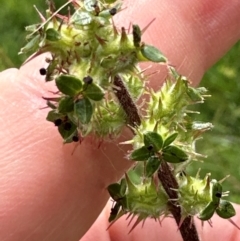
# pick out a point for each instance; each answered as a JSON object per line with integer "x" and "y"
{"x": 95, "y": 67}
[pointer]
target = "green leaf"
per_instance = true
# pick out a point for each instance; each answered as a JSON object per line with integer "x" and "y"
{"x": 32, "y": 28}
{"x": 207, "y": 212}
{"x": 110, "y": 1}
{"x": 89, "y": 5}
{"x": 170, "y": 139}
{"x": 216, "y": 192}
{"x": 93, "y": 92}
{"x": 154, "y": 139}
{"x": 115, "y": 191}
{"x": 81, "y": 18}
{"x": 153, "y": 163}
{"x": 174, "y": 154}
{"x": 140, "y": 154}
{"x": 136, "y": 35}
{"x": 66, "y": 133}
{"x": 52, "y": 35}
{"x": 68, "y": 85}
{"x": 123, "y": 186}
{"x": 114, "y": 211}
{"x": 66, "y": 105}
{"x": 225, "y": 209}
{"x": 51, "y": 105}
{"x": 194, "y": 95}
{"x": 32, "y": 45}
{"x": 153, "y": 54}
{"x": 83, "y": 110}
{"x": 53, "y": 115}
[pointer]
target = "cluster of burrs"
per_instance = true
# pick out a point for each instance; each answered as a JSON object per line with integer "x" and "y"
{"x": 201, "y": 197}
{"x": 167, "y": 134}
{"x": 95, "y": 68}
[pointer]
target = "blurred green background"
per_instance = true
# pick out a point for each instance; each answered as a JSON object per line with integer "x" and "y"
{"x": 222, "y": 144}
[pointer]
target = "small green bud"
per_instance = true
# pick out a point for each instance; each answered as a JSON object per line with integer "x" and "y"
{"x": 69, "y": 85}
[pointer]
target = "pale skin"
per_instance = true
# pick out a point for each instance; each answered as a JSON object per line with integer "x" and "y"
{"x": 49, "y": 194}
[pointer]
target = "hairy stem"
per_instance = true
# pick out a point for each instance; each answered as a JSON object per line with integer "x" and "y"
{"x": 165, "y": 175}
{"x": 187, "y": 227}
{"x": 126, "y": 102}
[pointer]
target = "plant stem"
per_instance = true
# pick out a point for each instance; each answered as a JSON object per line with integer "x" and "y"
{"x": 165, "y": 175}
{"x": 187, "y": 227}
{"x": 126, "y": 102}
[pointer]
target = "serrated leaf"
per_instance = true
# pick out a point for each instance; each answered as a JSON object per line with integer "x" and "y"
{"x": 154, "y": 139}
{"x": 140, "y": 154}
{"x": 83, "y": 109}
{"x": 152, "y": 53}
{"x": 225, "y": 209}
{"x": 207, "y": 212}
{"x": 68, "y": 85}
{"x": 66, "y": 105}
{"x": 93, "y": 92}
{"x": 170, "y": 139}
{"x": 52, "y": 35}
{"x": 153, "y": 163}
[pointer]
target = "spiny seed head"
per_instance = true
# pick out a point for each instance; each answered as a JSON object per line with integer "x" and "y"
{"x": 86, "y": 46}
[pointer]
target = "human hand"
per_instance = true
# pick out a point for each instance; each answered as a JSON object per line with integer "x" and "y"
{"x": 48, "y": 193}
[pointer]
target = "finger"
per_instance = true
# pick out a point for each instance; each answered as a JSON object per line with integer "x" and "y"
{"x": 220, "y": 229}
{"x": 47, "y": 193}
{"x": 193, "y": 35}
{"x": 59, "y": 160}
